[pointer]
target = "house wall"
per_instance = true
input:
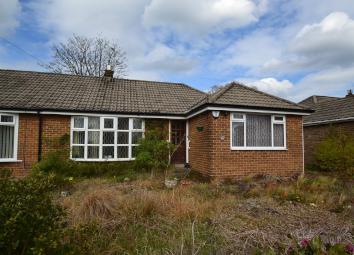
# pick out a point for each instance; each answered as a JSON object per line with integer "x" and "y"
{"x": 313, "y": 135}
{"x": 27, "y": 153}
{"x": 210, "y": 151}
{"x": 55, "y": 136}
{"x": 200, "y": 143}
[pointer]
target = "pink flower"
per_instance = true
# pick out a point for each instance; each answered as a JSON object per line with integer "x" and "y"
{"x": 349, "y": 248}
{"x": 305, "y": 243}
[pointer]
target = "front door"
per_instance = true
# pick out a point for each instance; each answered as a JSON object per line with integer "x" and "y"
{"x": 178, "y": 138}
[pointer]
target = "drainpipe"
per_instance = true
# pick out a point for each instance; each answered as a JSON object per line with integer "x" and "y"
{"x": 40, "y": 128}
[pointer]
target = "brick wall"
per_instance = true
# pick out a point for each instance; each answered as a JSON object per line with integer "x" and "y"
{"x": 313, "y": 135}
{"x": 200, "y": 143}
{"x": 53, "y": 127}
{"x": 27, "y": 153}
{"x": 210, "y": 150}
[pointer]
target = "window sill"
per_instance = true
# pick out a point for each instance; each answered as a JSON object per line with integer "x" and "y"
{"x": 258, "y": 149}
{"x": 10, "y": 160}
{"x": 102, "y": 160}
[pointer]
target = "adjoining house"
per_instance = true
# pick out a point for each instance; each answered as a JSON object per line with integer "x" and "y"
{"x": 235, "y": 132}
{"x": 329, "y": 113}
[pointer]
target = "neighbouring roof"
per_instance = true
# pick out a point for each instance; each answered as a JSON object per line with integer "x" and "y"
{"x": 329, "y": 109}
{"x": 313, "y": 100}
{"x": 25, "y": 90}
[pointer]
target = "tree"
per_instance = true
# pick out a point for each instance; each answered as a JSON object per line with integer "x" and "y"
{"x": 87, "y": 56}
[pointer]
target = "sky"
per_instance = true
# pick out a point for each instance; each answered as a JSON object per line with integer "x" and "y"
{"x": 289, "y": 48}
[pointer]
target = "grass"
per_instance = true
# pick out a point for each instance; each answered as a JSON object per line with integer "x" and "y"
{"x": 140, "y": 216}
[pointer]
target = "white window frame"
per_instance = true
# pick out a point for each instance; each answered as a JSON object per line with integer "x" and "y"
{"x": 244, "y": 120}
{"x": 130, "y": 131}
{"x": 14, "y": 124}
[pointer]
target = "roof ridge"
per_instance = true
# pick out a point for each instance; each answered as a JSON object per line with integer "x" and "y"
{"x": 217, "y": 94}
{"x": 267, "y": 94}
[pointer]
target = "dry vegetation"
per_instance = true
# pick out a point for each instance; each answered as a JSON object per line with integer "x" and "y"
{"x": 143, "y": 217}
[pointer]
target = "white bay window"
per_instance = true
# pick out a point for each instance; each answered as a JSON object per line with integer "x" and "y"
{"x": 8, "y": 137}
{"x": 105, "y": 138}
{"x": 257, "y": 131}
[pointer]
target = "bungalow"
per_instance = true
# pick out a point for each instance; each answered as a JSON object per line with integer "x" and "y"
{"x": 234, "y": 132}
{"x": 329, "y": 113}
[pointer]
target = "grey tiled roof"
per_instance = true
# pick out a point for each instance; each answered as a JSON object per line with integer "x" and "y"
{"x": 312, "y": 100}
{"x": 47, "y": 91}
{"x": 23, "y": 90}
{"x": 244, "y": 96}
{"x": 330, "y": 110}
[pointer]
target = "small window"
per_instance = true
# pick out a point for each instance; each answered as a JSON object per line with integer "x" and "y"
{"x": 7, "y": 119}
{"x": 123, "y": 123}
{"x": 108, "y": 123}
{"x": 238, "y": 116}
{"x": 79, "y": 122}
{"x": 93, "y": 123}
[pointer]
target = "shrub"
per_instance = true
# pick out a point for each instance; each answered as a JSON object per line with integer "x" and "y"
{"x": 59, "y": 163}
{"x": 30, "y": 222}
{"x": 336, "y": 152}
{"x": 153, "y": 153}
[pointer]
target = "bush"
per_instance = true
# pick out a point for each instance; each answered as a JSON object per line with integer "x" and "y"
{"x": 30, "y": 222}
{"x": 57, "y": 162}
{"x": 336, "y": 152}
{"x": 153, "y": 153}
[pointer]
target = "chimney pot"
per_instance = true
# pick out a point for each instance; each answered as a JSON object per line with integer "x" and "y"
{"x": 350, "y": 92}
{"x": 108, "y": 72}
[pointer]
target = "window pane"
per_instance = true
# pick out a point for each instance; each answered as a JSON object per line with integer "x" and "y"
{"x": 79, "y": 122}
{"x": 278, "y": 118}
{"x": 93, "y": 152}
{"x": 7, "y": 141}
{"x": 136, "y": 136}
{"x": 108, "y": 152}
{"x": 134, "y": 151}
{"x": 258, "y": 130}
{"x": 278, "y": 131}
{"x": 94, "y": 123}
{"x": 122, "y": 151}
{"x": 237, "y": 116}
{"x": 93, "y": 137}
{"x": 238, "y": 134}
{"x": 123, "y": 123}
{"x": 7, "y": 119}
{"x": 108, "y": 137}
{"x": 78, "y": 137}
{"x": 78, "y": 152}
{"x": 108, "y": 123}
{"x": 137, "y": 123}
{"x": 123, "y": 137}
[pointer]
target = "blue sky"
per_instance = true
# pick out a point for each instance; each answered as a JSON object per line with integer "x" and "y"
{"x": 293, "y": 49}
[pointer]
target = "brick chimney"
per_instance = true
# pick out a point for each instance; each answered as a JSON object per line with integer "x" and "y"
{"x": 350, "y": 93}
{"x": 108, "y": 72}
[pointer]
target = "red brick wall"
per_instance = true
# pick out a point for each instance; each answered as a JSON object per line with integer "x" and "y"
{"x": 53, "y": 126}
{"x": 27, "y": 153}
{"x": 212, "y": 154}
{"x": 200, "y": 143}
{"x": 313, "y": 135}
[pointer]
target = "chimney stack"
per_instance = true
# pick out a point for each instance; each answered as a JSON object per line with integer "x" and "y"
{"x": 108, "y": 72}
{"x": 350, "y": 93}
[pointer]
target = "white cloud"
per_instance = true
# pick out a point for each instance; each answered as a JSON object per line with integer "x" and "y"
{"x": 323, "y": 45}
{"x": 273, "y": 86}
{"x": 9, "y": 11}
{"x": 334, "y": 81}
{"x": 202, "y": 17}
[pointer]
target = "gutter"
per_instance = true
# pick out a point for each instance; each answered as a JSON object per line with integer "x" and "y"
{"x": 321, "y": 122}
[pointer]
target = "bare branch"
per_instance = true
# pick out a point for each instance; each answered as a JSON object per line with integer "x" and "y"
{"x": 87, "y": 56}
